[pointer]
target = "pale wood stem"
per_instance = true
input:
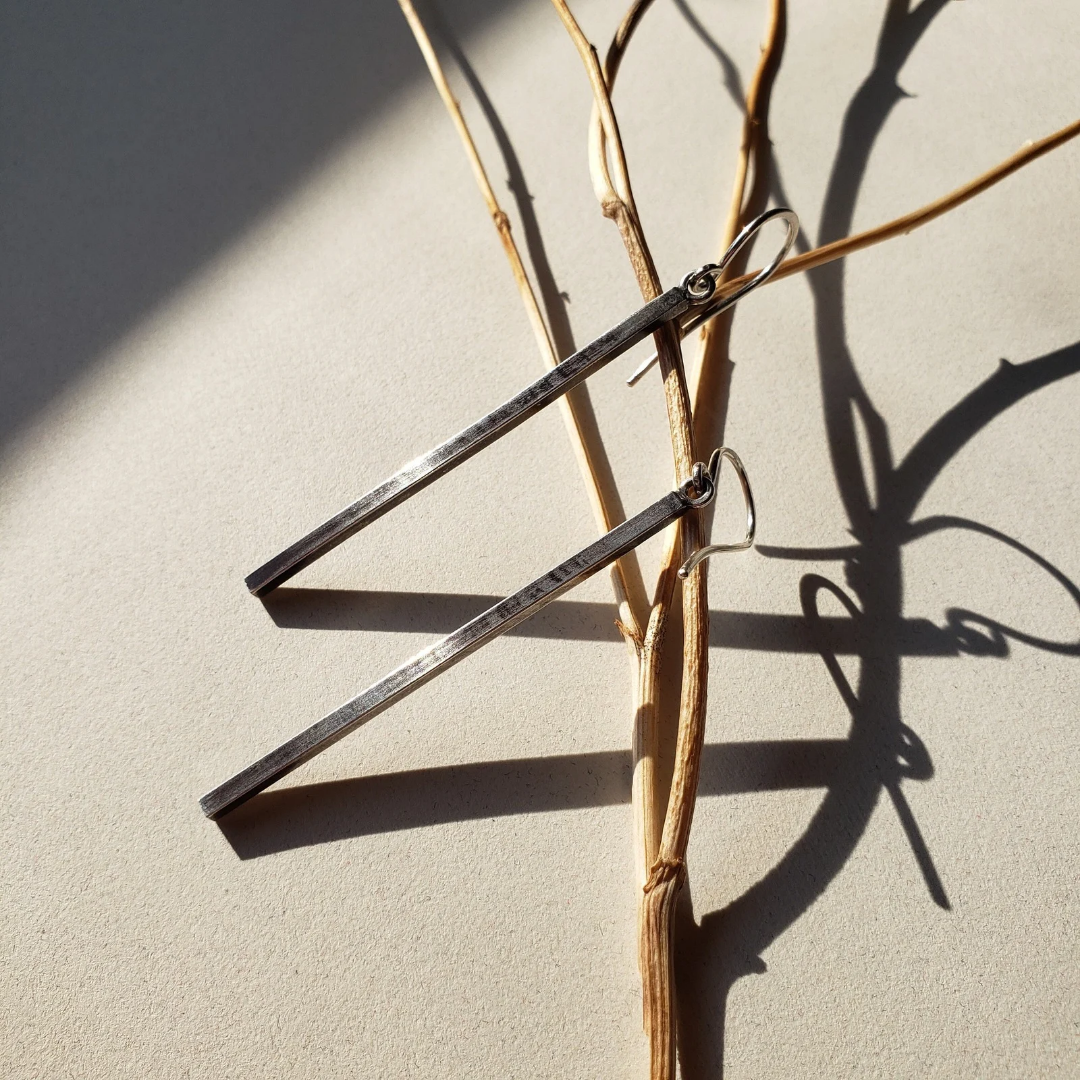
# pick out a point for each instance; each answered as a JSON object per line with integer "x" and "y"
{"x": 663, "y": 855}
{"x": 669, "y": 868}
{"x": 684, "y": 783}
{"x": 625, "y": 574}
{"x": 848, "y": 245}
{"x": 661, "y": 839}
{"x": 710, "y": 384}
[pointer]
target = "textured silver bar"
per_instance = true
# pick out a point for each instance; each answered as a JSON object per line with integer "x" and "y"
{"x": 497, "y": 620}
{"x": 421, "y": 472}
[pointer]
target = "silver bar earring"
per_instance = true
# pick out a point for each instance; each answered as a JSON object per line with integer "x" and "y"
{"x": 696, "y": 491}
{"x": 693, "y": 294}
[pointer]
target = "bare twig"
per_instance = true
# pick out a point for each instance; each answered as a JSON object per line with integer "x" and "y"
{"x": 712, "y": 380}
{"x": 667, "y": 859}
{"x": 669, "y": 867}
{"x": 661, "y": 840}
{"x": 647, "y": 796}
{"x": 848, "y": 245}
{"x": 755, "y": 118}
{"x": 669, "y": 871}
{"x": 625, "y": 574}
{"x": 662, "y": 857}
{"x": 616, "y": 197}
{"x": 621, "y": 40}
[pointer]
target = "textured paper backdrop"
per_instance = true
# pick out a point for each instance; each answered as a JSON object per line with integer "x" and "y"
{"x": 247, "y": 274}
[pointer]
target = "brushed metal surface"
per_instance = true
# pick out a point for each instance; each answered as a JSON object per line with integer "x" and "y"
{"x": 424, "y": 470}
{"x": 436, "y": 659}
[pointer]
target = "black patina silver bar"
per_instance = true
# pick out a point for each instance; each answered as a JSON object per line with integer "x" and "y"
{"x": 424, "y": 470}
{"x": 497, "y": 620}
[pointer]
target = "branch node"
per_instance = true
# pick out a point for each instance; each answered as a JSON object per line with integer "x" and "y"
{"x": 630, "y": 634}
{"x": 611, "y": 206}
{"x": 663, "y": 871}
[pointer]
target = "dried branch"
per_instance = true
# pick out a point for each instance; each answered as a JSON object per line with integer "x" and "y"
{"x": 616, "y": 198}
{"x": 667, "y": 859}
{"x": 646, "y": 799}
{"x": 661, "y": 842}
{"x": 669, "y": 868}
{"x": 755, "y": 119}
{"x": 712, "y": 381}
{"x": 668, "y": 872}
{"x": 625, "y": 574}
{"x": 848, "y": 245}
{"x": 662, "y": 857}
{"x": 621, "y": 40}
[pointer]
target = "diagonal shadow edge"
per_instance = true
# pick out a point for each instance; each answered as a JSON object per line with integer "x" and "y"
{"x": 289, "y": 818}
{"x": 427, "y": 613}
{"x": 139, "y": 147}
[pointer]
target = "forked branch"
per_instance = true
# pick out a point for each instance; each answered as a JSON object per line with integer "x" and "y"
{"x": 661, "y": 838}
{"x": 661, "y": 851}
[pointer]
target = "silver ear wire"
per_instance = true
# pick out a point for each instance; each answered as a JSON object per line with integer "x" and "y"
{"x": 702, "y": 284}
{"x": 713, "y": 474}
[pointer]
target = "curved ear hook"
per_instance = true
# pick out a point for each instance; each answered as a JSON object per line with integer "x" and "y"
{"x": 701, "y": 284}
{"x": 692, "y": 282}
{"x": 702, "y": 554}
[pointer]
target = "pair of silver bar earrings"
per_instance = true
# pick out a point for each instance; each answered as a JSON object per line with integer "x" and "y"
{"x": 694, "y": 298}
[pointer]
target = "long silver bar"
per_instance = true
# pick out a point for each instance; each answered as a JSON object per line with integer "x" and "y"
{"x": 424, "y": 470}
{"x": 497, "y": 620}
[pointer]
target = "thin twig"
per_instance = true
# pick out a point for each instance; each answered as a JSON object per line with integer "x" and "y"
{"x": 617, "y": 202}
{"x": 626, "y": 576}
{"x": 621, "y": 40}
{"x": 647, "y": 796}
{"x": 663, "y": 856}
{"x": 848, "y": 245}
{"x": 755, "y": 117}
{"x": 667, "y": 859}
{"x": 662, "y": 847}
{"x": 711, "y": 383}
{"x": 669, "y": 870}
{"x": 616, "y": 197}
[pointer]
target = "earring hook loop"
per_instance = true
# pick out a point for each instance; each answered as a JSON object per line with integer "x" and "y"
{"x": 701, "y": 284}
{"x": 712, "y": 473}
{"x": 693, "y": 282}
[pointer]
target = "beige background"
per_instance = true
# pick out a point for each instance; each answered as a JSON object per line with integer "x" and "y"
{"x": 246, "y": 274}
